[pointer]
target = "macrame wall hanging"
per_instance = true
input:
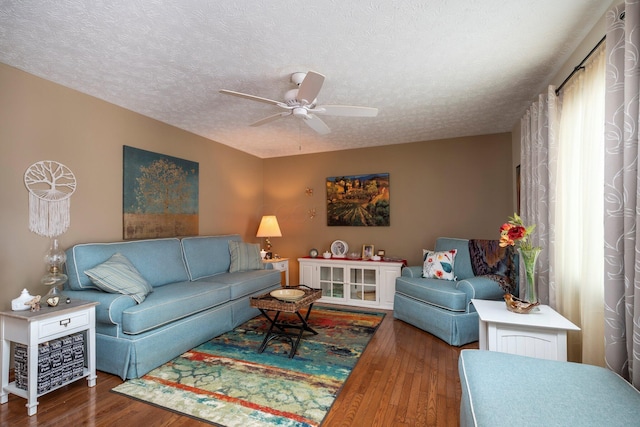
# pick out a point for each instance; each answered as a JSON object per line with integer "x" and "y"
{"x": 50, "y": 186}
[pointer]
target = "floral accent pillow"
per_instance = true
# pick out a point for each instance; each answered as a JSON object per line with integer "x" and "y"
{"x": 438, "y": 265}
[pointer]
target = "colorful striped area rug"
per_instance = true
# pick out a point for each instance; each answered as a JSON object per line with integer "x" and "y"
{"x": 227, "y": 382}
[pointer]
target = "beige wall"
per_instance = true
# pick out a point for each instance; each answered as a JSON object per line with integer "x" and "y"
{"x": 457, "y": 188}
{"x": 40, "y": 120}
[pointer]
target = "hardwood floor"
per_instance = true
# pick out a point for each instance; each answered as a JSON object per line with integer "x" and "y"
{"x": 406, "y": 377}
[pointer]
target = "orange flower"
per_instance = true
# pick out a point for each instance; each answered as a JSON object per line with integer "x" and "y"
{"x": 515, "y": 231}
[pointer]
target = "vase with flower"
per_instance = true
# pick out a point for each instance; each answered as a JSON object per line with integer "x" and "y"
{"x": 515, "y": 233}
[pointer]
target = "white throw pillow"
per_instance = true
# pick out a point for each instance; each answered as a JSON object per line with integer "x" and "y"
{"x": 438, "y": 265}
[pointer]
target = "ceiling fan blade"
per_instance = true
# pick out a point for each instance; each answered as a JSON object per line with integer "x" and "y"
{"x": 346, "y": 110}
{"x": 315, "y": 123}
{"x": 251, "y": 97}
{"x": 310, "y": 87}
{"x": 270, "y": 119}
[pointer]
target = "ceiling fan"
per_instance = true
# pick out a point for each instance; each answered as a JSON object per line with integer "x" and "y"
{"x": 301, "y": 103}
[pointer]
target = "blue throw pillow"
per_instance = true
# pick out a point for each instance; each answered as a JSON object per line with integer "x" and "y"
{"x": 118, "y": 275}
{"x": 244, "y": 256}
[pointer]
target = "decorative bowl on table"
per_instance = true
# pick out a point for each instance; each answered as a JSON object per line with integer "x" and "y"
{"x": 376, "y": 258}
{"x": 287, "y": 294}
{"x": 516, "y": 305}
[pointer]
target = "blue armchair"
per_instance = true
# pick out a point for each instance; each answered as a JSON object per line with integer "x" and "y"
{"x": 443, "y": 307}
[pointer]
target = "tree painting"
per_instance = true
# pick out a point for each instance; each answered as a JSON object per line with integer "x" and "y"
{"x": 160, "y": 195}
{"x": 162, "y": 187}
{"x": 358, "y": 200}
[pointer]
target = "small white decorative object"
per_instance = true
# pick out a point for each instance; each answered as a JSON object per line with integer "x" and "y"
{"x": 263, "y": 253}
{"x": 53, "y": 301}
{"x": 20, "y": 303}
{"x": 50, "y": 186}
{"x": 339, "y": 248}
{"x": 326, "y": 254}
{"x": 34, "y": 304}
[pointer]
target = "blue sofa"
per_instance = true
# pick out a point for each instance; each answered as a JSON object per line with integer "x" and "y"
{"x": 194, "y": 298}
{"x": 500, "y": 389}
{"x": 443, "y": 307}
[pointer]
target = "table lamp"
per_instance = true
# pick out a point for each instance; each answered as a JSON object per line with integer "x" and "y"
{"x": 269, "y": 228}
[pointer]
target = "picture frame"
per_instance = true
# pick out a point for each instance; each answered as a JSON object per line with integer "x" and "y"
{"x": 380, "y": 252}
{"x": 160, "y": 195}
{"x": 367, "y": 251}
{"x": 518, "y": 189}
{"x": 358, "y": 200}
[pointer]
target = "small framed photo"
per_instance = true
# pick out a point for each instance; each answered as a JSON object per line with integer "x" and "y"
{"x": 380, "y": 252}
{"x": 367, "y": 251}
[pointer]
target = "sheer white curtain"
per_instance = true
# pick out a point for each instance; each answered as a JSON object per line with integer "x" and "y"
{"x": 578, "y": 211}
{"x": 562, "y": 192}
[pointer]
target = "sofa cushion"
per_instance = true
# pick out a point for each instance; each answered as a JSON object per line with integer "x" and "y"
{"x": 438, "y": 265}
{"x": 245, "y": 283}
{"x": 462, "y": 268}
{"x": 172, "y": 302}
{"x": 159, "y": 261}
{"x": 207, "y": 256}
{"x": 118, "y": 275}
{"x": 439, "y": 293}
{"x": 244, "y": 256}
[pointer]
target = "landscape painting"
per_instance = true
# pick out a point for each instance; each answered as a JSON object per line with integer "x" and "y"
{"x": 358, "y": 200}
{"x": 160, "y": 195}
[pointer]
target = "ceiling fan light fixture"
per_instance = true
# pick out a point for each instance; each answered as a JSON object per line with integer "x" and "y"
{"x": 300, "y": 112}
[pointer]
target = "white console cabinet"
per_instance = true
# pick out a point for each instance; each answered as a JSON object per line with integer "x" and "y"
{"x": 352, "y": 282}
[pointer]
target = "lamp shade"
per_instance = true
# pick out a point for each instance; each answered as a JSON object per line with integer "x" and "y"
{"x": 269, "y": 227}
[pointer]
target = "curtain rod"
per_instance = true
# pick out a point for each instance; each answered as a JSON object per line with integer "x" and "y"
{"x": 580, "y": 66}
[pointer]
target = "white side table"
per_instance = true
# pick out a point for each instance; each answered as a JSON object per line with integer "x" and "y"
{"x": 541, "y": 334}
{"x": 281, "y": 264}
{"x": 35, "y": 327}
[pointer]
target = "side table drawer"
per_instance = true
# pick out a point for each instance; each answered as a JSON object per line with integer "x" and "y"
{"x": 62, "y": 324}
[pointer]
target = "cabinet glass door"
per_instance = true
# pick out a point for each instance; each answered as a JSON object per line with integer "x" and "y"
{"x": 363, "y": 284}
{"x": 332, "y": 282}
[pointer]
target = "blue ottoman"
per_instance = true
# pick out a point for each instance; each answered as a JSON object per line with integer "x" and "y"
{"x": 500, "y": 389}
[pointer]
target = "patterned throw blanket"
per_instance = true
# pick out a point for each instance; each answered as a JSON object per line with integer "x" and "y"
{"x": 490, "y": 260}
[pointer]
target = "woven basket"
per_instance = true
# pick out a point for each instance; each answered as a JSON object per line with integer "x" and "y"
{"x": 267, "y": 302}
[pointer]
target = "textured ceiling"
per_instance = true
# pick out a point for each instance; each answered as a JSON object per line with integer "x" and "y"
{"x": 434, "y": 69}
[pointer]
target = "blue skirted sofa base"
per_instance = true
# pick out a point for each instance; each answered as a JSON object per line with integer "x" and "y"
{"x": 500, "y": 389}
{"x": 194, "y": 299}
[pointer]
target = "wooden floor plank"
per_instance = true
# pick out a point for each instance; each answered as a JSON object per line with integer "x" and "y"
{"x": 406, "y": 377}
